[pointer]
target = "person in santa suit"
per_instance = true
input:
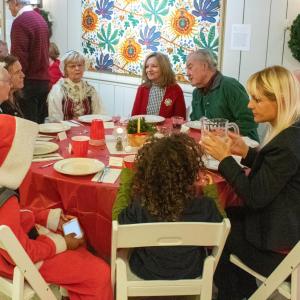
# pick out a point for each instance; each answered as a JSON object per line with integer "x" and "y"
{"x": 159, "y": 93}
{"x": 61, "y": 260}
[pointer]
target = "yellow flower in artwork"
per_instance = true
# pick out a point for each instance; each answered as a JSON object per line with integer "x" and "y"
{"x": 89, "y": 20}
{"x": 183, "y": 23}
{"x": 131, "y": 51}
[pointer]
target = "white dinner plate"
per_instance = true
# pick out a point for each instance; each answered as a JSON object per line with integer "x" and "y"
{"x": 150, "y": 118}
{"x": 90, "y": 118}
{"x": 53, "y": 127}
{"x": 41, "y": 148}
{"x": 78, "y": 166}
{"x": 194, "y": 125}
{"x": 213, "y": 164}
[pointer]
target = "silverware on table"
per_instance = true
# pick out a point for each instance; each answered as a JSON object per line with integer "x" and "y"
{"x": 47, "y": 165}
{"x": 46, "y": 156}
{"x": 104, "y": 172}
{"x": 76, "y": 122}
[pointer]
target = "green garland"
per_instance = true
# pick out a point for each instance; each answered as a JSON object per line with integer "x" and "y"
{"x": 294, "y": 42}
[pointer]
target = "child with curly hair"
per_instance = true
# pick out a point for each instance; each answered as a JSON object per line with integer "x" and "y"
{"x": 163, "y": 191}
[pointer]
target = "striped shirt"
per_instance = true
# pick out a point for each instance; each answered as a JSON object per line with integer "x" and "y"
{"x": 30, "y": 44}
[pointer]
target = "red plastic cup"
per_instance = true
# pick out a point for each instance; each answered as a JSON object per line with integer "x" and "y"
{"x": 129, "y": 161}
{"x": 80, "y": 145}
{"x": 97, "y": 130}
{"x": 97, "y": 137}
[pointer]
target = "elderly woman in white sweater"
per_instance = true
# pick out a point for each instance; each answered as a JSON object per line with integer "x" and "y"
{"x": 72, "y": 96}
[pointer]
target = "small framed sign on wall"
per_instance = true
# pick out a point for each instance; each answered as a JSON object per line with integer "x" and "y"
{"x": 118, "y": 35}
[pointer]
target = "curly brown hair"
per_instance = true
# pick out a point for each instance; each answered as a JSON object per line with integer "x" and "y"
{"x": 166, "y": 170}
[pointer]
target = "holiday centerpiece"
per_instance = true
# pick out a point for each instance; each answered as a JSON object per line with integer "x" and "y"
{"x": 138, "y": 131}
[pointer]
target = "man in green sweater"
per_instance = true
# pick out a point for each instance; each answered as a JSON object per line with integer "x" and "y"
{"x": 218, "y": 96}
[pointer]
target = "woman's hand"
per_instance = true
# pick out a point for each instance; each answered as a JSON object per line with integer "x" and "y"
{"x": 216, "y": 146}
{"x": 63, "y": 219}
{"x": 72, "y": 242}
{"x": 238, "y": 146}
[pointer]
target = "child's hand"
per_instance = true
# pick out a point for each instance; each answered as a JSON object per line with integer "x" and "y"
{"x": 72, "y": 242}
{"x": 64, "y": 219}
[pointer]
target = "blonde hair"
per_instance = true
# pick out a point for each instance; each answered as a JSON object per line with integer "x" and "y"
{"x": 277, "y": 84}
{"x": 71, "y": 56}
{"x": 167, "y": 75}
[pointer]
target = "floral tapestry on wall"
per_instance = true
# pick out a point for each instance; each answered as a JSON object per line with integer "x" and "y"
{"x": 117, "y": 35}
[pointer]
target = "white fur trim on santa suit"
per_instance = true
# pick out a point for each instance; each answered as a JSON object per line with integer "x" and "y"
{"x": 57, "y": 239}
{"x": 53, "y": 218}
{"x": 17, "y": 139}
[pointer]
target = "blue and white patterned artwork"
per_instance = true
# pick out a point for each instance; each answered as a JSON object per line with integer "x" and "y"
{"x": 118, "y": 35}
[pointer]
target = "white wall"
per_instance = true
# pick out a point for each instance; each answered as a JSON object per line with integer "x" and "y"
{"x": 268, "y": 20}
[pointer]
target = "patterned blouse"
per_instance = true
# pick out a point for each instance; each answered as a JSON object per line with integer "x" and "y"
{"x": 68, "y": 100}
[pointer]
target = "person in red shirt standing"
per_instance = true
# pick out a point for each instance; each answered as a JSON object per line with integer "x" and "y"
{"x": 30, "y": 44}
{"x": 54, "y": 63}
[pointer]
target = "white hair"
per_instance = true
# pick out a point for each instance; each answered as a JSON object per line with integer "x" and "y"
{"x": 71, "y": 56}
{"x": 205, "y": 55}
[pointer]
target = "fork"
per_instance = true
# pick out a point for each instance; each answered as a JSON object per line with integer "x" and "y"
{"x": 104, "y": 172}
{"x": 76, "y": 122}
{"x": 47, "y": 165}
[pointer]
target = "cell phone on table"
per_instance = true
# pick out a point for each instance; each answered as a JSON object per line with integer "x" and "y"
{"x": 73, "y": 226}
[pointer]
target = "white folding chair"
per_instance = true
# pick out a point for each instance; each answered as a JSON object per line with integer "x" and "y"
{"x": 18, "y": 288}
{"x": 276, "y": 281}
{"x": 165, "y": 234}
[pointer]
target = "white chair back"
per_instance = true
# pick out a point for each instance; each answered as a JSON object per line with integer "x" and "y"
{"x": 276, "y": 281}
{"x": 166, "y": 234}
{"x": 17, "y": 289}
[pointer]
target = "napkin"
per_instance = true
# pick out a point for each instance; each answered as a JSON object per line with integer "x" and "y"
{"x": 184, "y": 128}
{"x": 47, "y": 157}
{"x": 108, "y": 125}
{"x": 110, "y": 176}
{"x": 111, "y": 147}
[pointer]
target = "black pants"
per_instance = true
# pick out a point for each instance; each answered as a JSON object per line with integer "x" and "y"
{"x": 234, "y": 283}
{"x": 33, "y": 104}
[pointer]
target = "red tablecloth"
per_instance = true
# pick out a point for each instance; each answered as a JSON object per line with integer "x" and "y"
{"x": 91, "y": 202}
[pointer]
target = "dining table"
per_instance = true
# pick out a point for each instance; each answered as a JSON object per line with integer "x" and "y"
{"x": 92, "y": 202}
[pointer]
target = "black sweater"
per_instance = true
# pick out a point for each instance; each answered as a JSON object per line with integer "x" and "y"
{"x": 271, "y": 192}
{"x": 180, "y": 262}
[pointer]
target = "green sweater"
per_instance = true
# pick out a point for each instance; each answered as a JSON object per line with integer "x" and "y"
{"x": 227, "y": 99}
{"x": 124, "y": 197}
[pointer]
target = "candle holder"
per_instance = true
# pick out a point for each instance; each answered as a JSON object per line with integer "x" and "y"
{"x": 120, "y": 134}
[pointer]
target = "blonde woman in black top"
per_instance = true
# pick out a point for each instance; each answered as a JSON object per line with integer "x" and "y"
{"x": 270, "y": 227}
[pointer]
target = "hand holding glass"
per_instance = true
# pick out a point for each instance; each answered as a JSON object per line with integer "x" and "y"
{"x": 217, "y": 126}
